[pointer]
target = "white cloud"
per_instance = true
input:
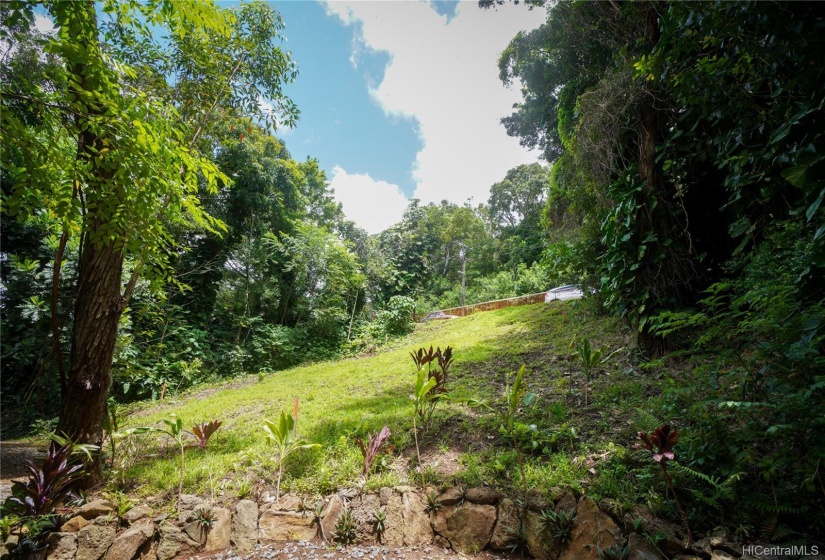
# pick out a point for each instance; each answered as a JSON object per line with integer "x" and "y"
{"x": 373, "y": 205}
{"x": 445, "y": 75}
{"x": 43, "y": 24}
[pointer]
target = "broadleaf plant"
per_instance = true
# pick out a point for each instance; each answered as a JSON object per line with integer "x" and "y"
{"x": 286, "y": 441}
{"x": 515, "y": 397}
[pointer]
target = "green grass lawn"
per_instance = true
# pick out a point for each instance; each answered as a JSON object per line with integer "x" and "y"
{"x": 350, "y": 398}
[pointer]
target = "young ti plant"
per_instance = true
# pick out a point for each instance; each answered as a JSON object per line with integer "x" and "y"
{"x": 590, "y": 359}
{"x": 515, "y": 398}
{"x": 420, "y": 397}
{"x": 443, "y": 359}
{"x": 174, "y": 429}
{"x": 370, "y": 449}
{"x": 660, "y": 443}
{"x": 202, "y": 432}
{"x": 114, "y": 433}
{"x": 285, "y": 439}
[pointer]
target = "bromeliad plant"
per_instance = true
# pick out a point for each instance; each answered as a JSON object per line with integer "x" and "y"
{"x": 660, "y": 443}
{"x": 371, "y": 448}
{"x": 283, "y": 435}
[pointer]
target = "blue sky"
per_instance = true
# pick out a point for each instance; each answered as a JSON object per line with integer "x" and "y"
{"x": 402, "y": 99}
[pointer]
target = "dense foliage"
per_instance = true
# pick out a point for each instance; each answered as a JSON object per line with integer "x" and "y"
{"x": 250, "y": 265}
{"x": 147, "y": 199}
{"x": 688, "y": 150}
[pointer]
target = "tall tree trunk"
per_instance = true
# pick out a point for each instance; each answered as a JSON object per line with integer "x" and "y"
{"x": 97, "y": 313}
{"x": 99, "y": 303}
{"x": 653, "y": 345}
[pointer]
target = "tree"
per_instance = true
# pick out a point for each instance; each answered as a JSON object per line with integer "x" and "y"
{"x": 134, "y": 169}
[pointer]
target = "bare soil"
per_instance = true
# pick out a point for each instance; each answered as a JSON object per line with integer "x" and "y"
{"x": 13, "y": 457}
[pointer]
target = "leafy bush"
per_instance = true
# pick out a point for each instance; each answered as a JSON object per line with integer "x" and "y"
{"x": 398, "y": 316}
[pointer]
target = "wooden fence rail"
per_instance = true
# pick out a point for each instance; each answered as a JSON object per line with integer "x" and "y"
{"x": 489, "y": 305}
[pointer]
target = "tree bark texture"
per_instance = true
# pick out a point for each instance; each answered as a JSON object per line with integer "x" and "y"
{"x": 99, "y": 303}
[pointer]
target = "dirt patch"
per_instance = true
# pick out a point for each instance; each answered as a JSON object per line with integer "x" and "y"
{"x": 13, "y": 457}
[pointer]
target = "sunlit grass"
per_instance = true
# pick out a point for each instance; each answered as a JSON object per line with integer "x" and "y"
{"x": 345, "y": 399}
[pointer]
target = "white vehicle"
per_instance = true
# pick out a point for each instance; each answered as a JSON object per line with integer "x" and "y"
{"x": 563, "y": 293}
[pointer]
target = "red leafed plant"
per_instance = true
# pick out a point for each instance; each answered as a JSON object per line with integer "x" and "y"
{"x": 423, "y": 357}
{"x": 661, "y": 443}
{"x": 48, "y": 486}
{"x": 203, "y": 431}
{"x": 370, "y": 449}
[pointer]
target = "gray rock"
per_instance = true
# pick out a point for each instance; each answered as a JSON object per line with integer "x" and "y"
{"x": 483, "y": 495}
{"x": 451, "y": 496}
{"x": 96, "y": 509}
{"x": 536, "y": 500}
{"x": 506, "y": 524}
{"x": 173, "y": 542}
{"x": 190, "y": 502}
{"x": 196, "y": 531}
{"x": 288, "y": 503}
{"x": 539, "y": 544}
{"x": 62, "y": 546}
{"x": 721, "y": 555}
{"x": 417, "y": 529}
{"x": 402, "y": 489}
{"x": 674, "y": 536}
{"x": 93, "y": 541}
{"x": 332, "y": 512}
{"x": 129, "y": 542}
{"x": 137, "y": 513}
{"x": 218, "y": 537}
{"x": 641, "y": 549}
{"x": 592, "y": 529}
{"x": 394, "y": 525}
{"x": 384, "y": 495}
{"x": 567, "y": 504}
{"x": 244, "y": 533}
{"x": 468, "y": 527}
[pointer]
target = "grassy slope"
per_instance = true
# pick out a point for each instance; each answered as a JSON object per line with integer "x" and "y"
{"x": 344, "y": 399}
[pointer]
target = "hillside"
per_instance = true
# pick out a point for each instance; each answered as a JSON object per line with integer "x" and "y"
{"x": 346, "y": 399}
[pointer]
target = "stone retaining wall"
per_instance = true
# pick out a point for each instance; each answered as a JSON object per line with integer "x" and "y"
{"x": 465, "y": 521}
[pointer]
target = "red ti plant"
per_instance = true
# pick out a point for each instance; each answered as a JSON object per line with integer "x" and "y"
{"x": 423, "y": 357}
{"x": 203, "y": 431}
{"x": 370, "y": 449}
{"x": 660, "y": 443}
